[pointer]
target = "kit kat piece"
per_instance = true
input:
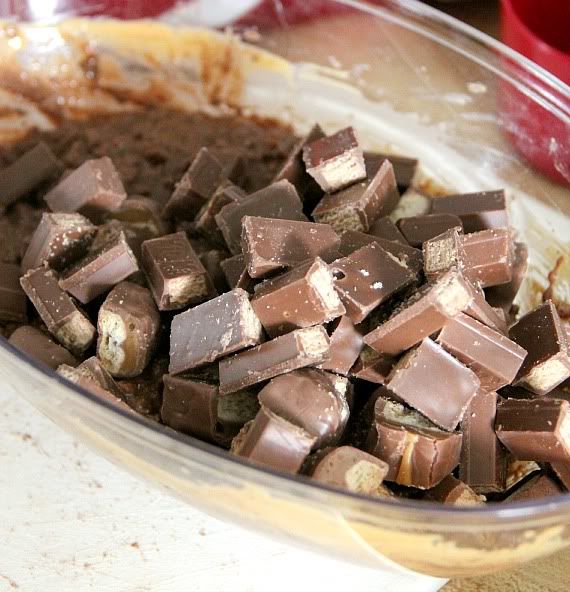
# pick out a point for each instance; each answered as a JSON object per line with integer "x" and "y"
{"x": 212, "y": 261}
{"x": 542, "y": 334}
{"x": 308, "y": 399}
{"x": 174, "y": 272}
{"x": 492, "y": 356}
{"x": 432, "y": 381}
{"x": 536, "y": 488}
{"x": 404, "y": 167}
{"x": 235, "y": 272}
{"x": 488, "y": 257}
{"x": 535, "y": 429}
{"x": 57, "y": 310}
{"x": 302, "y": 297}
{"x": 40, "y": 347}
{"x": 32, "y": 168}
{"x": 503, "y": 296}
{"x": 368, "y": 277}
{"x": 196, "y": 187}
{"x": 94, "y": 190}
{"x": 274, "y": 442}
{"x": 360, "y": 204}
{"x": 94, "y": 368}
{"x": 270, "y": 244}
{"x": 298, "y": 349}
{"x": 442, "y": 253}
{"x": 58, "y": 241}
{"x": 372, "y": 367}
{"x": 454, "y": 492}
{"x": 417, "y": 452}
{"x": 483, "y": 464}
{"x": 386, "y": 229}
{"x": 562, "y": 472}
{"x": 278, "y": 200}
{"x": 345, "y": 346}
{"x": 352, "y": 469}
{"x": 478, "y": 211}
{"x": 128, "y": 325}
{"x": 205, "y": 220}
{"x": 519, "y": 470}
{"x": 13, "y": 301}
{"x": 482, "y": 311}
{"x": 211, "y": 330}
{"x": 335, "y": 161}
{"x": 418, "y": 229}
{"x": 424, "y": 313}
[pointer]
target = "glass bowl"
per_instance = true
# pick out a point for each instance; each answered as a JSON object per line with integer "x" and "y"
{"x": 412, "y": 81}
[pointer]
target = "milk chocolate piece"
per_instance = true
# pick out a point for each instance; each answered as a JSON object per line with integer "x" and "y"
{"x": 483, "y": 464}
{"x": 300, "y": 348}
{"x": 142, "y": 214}
{"x": 32, "y": 168}
{"x": 442, "y": 253}
{"x": 205, "y": 219}
{"x": 454, "y": 492}
{"x": 233, "y": 411}
{"x": 435, "y": 383}
{"x": 345, "y": 346}
{"x": 386, "y": 229}
{"x": 40, "y": 347}
{"x": 57, "y": 310}
{"x": 519, "y": 470}
{"x": 211, "y": 330}
{"x": 367, "y": 277}
{"x": 196, "y": 187}
{"x": 372, "y": 367}
{"x": 504, "y": 295}
{"x": 488, "y": 257}
{"x": 422, "y": 314}
{"x": 308, "y": 399}
{"x": 417, "y": 452}
{"x": 108, "y": 262}
{"x": 94, "y": 368}
{"x": 358, "y": 206}
{"x": 59, "y": 240}
{"x": 274, "y": 442}
{"x": 212, "y": 261}
{"x": 13, "y": 301}
{"x": 494, "y": 358}
{"x": 335, "y": 161}
{"x": 404, "y": 167}
{"x": 235, "y": 271}
{"x": 128, "y": 326}
{"x": 483, "y": 312}
{"x": 418, "y": 229}
{"x": 352, "y": 469}
{"x": 270, "y": 244}
{"x": 303, "y": 297}
{"x": 537, "y": 488}
{"x": 478, "y": 211}
{"x": 535, "y": 429}
{"x": 94, "y": 189}
{"x": 278, "y": 200}
{"x": 542, "y": 334}
{"x": 562, "y": 471}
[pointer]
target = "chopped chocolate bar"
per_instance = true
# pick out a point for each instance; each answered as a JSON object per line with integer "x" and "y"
{"x": 345, "y": 346}
{"x": 454, "y": 492}
{"x": 404, "y": 167}
{"x": 519, "y": 470}
{"x": 562, "y": 471}
{"x": 142, "y": 215}
{"x": 537, "y": 488}
{"x": 488, "y": 257}
{"x": 212, "y": 261}
{"x": 482, "y": 311}
{"x": 442, "y": 253}
{"x": 205, "y": 219}
{"x": 94, "y": 368}
{"x": 372, "y": 367}
{"x": 386, "y": 229}
{"x": 41, "y": 348}
{"x": 235, "y": 271}
{"x": 503, "y": 296}
{"x": 418, "y": 229}
{"x": 13, "y": 301}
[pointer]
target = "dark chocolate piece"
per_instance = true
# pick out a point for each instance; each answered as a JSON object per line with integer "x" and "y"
{"x": 205, "y": 219}
{"x": 175, "y": 275}
{"x": 345, "y": 346}
{"x": 300, "y": 348}
{"x": 211, "y": 330}
{"x": 435, "y": 383}
{"x": 303, "y": 297}
{"x": 270, "y": 244}
{"x": 13, "y": 301}
{"x": 454, "y": 492}
{"x": 488, "y": 257}
{"x": 212, "y": 262}
{"x": 235, "y": 271}
{"x": 94, "y": 189}
{"x": 372, "y": 367}
{"x": 418, "y": 229}
{"x": 335, "y": 161}
{"x": 404, "y": 167}
{"x": 128, "y": 326}
{"x": 542, "y": 334}
{"x": 537, "y": 488}
{"x": 57, "y": 310}
{"x": 278, "y": 200}
{"x": 503, "y": 296}
{"x": 386, "y": 229}
{"x": 40, "y": 347}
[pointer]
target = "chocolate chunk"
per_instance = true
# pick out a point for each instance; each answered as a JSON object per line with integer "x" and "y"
{"x": 141, "y": 214}
{"x": 562, "y": 471}
{"x": 278, "y": 200}
{"x": 335, "y": 161}
{"x": 404, "y": 167}
{"x": 128, "y": 326}
{"x": 211, "y": 330}
{"x": 435, "y": 383}
{"x": 367, "y": 277}
{"x": 503, "y": 296}
{"x": 494, "y": 358}
{"x": 300, "y": 348}
{"x": 542, "y": 334}
{"x": 205, "y": 219}
{"x": 418, "y": 229}
{"x": 212, "y": 262}
{"x": 59, "y": 240}
{"x": 270, "y": 244}
{"x": 274, "y": 442}
{"x": 41, "y": 348}
{"x": 483, "y": 464}
{"x": 345, "y": 346}
{"x": 480, "y": 310}
{"x": 308, "y": 399}
{"x": 302, "y": 297}
{"x": 57, "y": 310}
{"x": 417, "y": 452}
{"x": 233, "y": 411}
{"x": 196, "y": 187}
{"x": 235, "y": 271}
{"x": 442, "y": 253}
{"x": 372, "y": 367}
{"x": 488, "y": 257}
{"x": 13, "y": 301}
{"x": 351, "y": 469}
{"x": 535, "y": 489}
{"x": 478, "y": 211}
{"x": 92, "y": 366}
{"x": 94, "y": 189}
{"x": 519, "y": 470}
{"x": 108, "y": 262}
{"x": 32, "y": 168}
{"x": 386, "y": 229}
{"x": 175, "y": 275}
{"x": 422, "y": 314}
{"x": 535, "y": 429}
{"x": 358, "y": 206}
{"x": 454, "y": 492}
